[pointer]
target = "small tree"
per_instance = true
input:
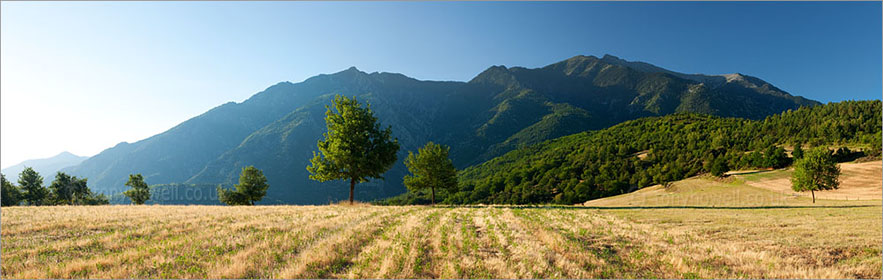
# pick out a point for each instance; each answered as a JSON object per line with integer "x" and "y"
{"x": 431, "y": 168}
{"x": 251, "y": 188}
{"x": 10, "y": 195}
{"x": 816, "y": 171}
{"x": 231, "y": 197}
{"x": 139, "y": 192}
{"x": 32, "y": 184}
{"x": 355, "y": 147}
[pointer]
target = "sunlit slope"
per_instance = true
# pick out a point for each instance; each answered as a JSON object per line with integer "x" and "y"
{"x": 764, "y": 188}
{"x": 858, "y": 181}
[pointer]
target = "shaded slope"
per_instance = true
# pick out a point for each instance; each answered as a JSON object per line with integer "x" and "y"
{"x": 499, "y": 110}
{"x": 182, "y": 151}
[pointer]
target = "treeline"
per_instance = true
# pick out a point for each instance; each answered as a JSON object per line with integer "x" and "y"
{"x": 64, "y": 190}
{"x": 656, "y": 150}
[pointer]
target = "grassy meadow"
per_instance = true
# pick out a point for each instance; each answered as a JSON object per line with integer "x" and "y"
{"x": 697, "y": 228}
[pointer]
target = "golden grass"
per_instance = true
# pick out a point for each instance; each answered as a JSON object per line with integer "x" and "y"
{"x": 792, "y": 239}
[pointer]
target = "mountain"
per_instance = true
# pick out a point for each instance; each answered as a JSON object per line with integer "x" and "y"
{"x": 47, "y": 167}
{"x": 499, "y": 110}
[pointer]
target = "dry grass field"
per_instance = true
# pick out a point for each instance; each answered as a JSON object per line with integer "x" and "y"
{"x": 696, "y": 228}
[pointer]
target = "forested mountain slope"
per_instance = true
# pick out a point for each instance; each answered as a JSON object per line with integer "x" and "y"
{"x": 499, "y": 110}
{"x": 656, "y": 150}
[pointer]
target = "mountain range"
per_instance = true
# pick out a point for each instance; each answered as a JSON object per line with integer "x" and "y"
{"x": 497, "y": 111}
{"x": 47, "y": 167}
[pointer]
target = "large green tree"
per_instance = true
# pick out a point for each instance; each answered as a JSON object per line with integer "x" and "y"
{"x": 139, "y": 192}
{"x": 355, "y": 147}
{"x": 32, "y": 184}
{"x": 251, "y": 188}
{"x": 432, "y": 169}
{"x": 816, "y": 171}
{"x": 10, "y": 195}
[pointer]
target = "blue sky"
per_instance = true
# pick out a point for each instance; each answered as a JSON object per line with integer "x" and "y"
{"x": 83, "y": 76}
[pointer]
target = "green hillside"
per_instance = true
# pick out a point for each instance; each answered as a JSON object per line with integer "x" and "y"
{"x": 656, "y": 150}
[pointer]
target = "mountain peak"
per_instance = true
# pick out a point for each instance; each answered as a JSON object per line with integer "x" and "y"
{"x": 734, "y": 77}
{"x": 497, "y": 74}
{"x": 580, "y": 58}
{"x": 351, "y": 71}
{"x": 610, "y": 57}
{"x": 65, "y": 153}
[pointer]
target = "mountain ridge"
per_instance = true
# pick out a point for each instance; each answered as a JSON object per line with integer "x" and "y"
{"x": 45, "y": 166}
{"x": 500, "y": 109}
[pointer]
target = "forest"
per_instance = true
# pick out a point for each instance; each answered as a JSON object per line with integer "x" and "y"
{"x": 656, "y": 150}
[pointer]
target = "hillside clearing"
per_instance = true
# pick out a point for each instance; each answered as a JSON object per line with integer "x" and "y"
{"x": 439, "y": 242}
{"x": 857, "y": 181}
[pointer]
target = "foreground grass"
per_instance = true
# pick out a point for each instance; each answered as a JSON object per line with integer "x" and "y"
{"x": 832, "y": 241}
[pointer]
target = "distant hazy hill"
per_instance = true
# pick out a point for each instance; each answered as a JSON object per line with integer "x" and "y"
{"x": 499, "y": 110}
{"x": 47, "y": 167}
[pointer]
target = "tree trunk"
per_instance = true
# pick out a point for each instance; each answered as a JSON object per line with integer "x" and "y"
{"x": 433, "y": 196}
{"x": 352, "y": 187}
{"x": 813, "y": 196}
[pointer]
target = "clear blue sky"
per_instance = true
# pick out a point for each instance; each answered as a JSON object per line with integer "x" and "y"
{"x": 83, "y": 76}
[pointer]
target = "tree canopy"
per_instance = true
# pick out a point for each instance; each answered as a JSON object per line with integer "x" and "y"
{"x": 66, "y": 189}
{"x": 251, "y": 188}
{"x": 32, "y": 185}
{"x": 354, "y": 147}
{"x": 139, "y": 192}
{"x": 432, "y": 169}
{"x": 10, "y": 195}
{"x": 816, "y": 171}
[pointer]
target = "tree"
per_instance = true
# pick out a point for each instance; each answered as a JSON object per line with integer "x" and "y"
{"x": 816, "y": 171}
{"x": 66, "y": 189}
{"x": 797, "y": 153}
{"x": 355, "y": 147}
{"x": 93, "y": 199}
{"x": 431, "y": 168}
{"x": 251, "y": 188}
{"x": 10, "y": 195}
{"x": 139, "y": 192}
{"x": 62, "y": 189}
{"x": 719, "y": 166}
{"x": 231, "y": 197}
{"x": 81, "y": 192}
{"x": 776, "y": 157}
{"x": 32, "y": 184}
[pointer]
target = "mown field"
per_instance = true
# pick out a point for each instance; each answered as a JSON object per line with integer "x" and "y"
{"x": 697, "y": 228}
{"x": 426, "y": 242}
